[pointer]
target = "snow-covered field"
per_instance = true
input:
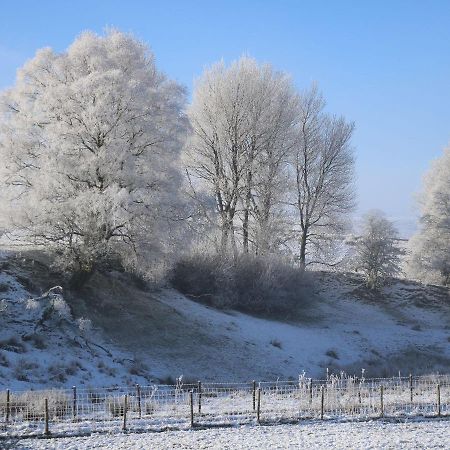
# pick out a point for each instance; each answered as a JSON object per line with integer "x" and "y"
{"x": 430, "y": 434}
{"x": 145, "y": 337}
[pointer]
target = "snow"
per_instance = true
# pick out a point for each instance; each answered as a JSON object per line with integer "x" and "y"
{"x": 318, "y": 435}
{"x": 172, "y": 336}
{"x": 63, "y": 354}
{"x": 353, "y": 329}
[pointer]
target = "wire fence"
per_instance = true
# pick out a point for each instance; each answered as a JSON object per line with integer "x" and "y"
{"x": 156, "y": 407}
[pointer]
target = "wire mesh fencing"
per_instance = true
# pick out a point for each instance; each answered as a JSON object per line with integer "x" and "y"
{"x": 155, "y": 407}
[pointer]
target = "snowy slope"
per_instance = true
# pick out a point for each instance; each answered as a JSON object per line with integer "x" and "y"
{"x": 347, "y": 334}
{"x": 58, "y": 351}
{"x": 144, "y": 336}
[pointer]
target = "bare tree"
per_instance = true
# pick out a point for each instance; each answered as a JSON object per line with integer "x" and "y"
{"x": 272, "y": 138}
{"x": 242, "y": 119}
{"x": 323, "y": 168}
{"x": 377, "y": 253}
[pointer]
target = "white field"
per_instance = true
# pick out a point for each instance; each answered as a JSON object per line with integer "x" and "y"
{"x": 430, "y": 434}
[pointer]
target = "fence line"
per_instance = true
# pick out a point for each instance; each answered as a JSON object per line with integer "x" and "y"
{"x": 81, "y": 409}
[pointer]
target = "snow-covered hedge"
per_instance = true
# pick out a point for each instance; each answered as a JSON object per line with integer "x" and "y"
{"x": 250, "y": 283}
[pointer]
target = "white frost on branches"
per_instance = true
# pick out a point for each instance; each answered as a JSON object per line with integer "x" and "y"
{"x": 89, "y": 143}
{"x": 430, "y": 247}
{"x": 377, "y": 252}
{"x": 279, "y": 170}
{"x": 242, "y": 119}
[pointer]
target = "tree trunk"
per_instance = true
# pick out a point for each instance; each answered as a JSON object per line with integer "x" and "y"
{"x": 245, "y": 223}
{"x": 303, "y": 251}
{"x": 224, "y": 238}
{"x": 228, "y": 241}
{"x": 248, "y": 200}
{"x": 245, "y": 230}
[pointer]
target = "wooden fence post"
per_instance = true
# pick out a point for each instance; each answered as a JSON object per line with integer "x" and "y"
{"x": 381, "y": 401}
{"x": 8, "y": 405}
{"x": 191, "y": 402}
{"x": 411, "y": 388}
{"x": 138, "y": 395}
{"x": 439, "y": 400}
{"x": 199, "y": 386}
{"x": 310, "y": 391}
{"x": 322, "y": 402}
{"x": 125, "y": 407}
{"x": 254, "y": 395}
{"x": 258, "y": 409}
{"x": 74, "y": 403}
{"x": 359, "y": 397}
{"x": 46, "y": 431}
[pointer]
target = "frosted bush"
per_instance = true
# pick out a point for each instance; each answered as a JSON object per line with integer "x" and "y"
{"x": 84, "y": 325}
{"x": 61, "y": 307}
{"x": 250, "y": 283}
{"x": 32, "y": 304}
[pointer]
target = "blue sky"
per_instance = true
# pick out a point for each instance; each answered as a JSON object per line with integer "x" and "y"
{"x": 383, "y": 64}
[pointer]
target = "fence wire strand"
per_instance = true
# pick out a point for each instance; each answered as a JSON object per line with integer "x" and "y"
{"x": 161, "y": 406}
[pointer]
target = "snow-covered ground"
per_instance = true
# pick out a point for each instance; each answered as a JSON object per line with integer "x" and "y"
{"x": 327, "y": 435}
{"x": 39, "y": 349}
{"x": 142, "y": 336}
{"x": 344, "y": 332}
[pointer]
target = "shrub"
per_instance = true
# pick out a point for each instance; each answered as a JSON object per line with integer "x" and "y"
{"x": 31, "y": 404}
{"x": 332, "y": 354}
{"x": 170, "y": 380}
{"x": 72, "y": 368}
{"x": 58, "y": 372}
{"x": 276, "y": 343}
{"x": 138, "y": 368}
{"x": 37, "y": 340}
{"x": 251, "y": 284}
{"x": 12, "y": 344}
{"x": 5, "y": 363}
{"x": 95, "y": 398}
{"x": 115, "y": 406}
{"x": 22, "y": 369}
{"x": 150, "y": 407}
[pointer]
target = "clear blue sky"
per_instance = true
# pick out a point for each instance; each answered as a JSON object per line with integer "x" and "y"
{"x": 383, "y": 64}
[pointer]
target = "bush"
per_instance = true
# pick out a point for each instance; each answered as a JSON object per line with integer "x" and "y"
{"x": 5, "y": 363}
{"x": 30, "y": 405}
{"x": 23, "y": 368}
{"x": 250, "y": 284}
{"x": 276, "y": 343}
{"x": 12, "y": 344}
{"x": 138, "y": 368}
{"x": 115, "y": 406}
{"x": 37, "y": 340}
{"x": 332, "y": 354}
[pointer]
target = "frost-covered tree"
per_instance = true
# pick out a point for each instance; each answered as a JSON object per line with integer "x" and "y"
{"x": 242, "y": 118}
{"x": 323, "y": 172}
{"x": 89, "y": 143}
{"x": 377, "y": 254}
{"x": 430, "y": 247}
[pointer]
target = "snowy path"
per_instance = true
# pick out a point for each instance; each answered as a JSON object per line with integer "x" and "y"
{"x": 365, "y": 435}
